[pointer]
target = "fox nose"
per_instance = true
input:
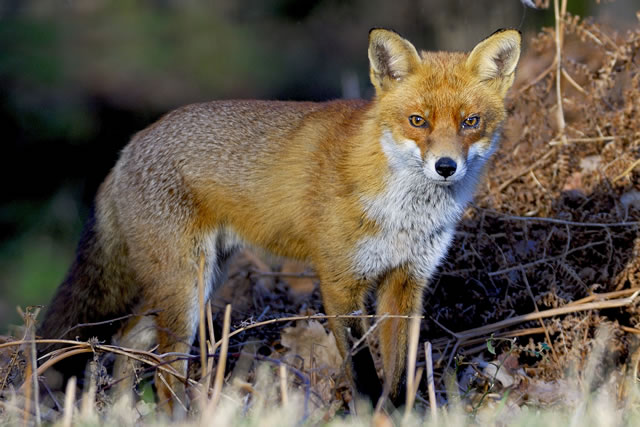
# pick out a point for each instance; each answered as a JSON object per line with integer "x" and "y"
{"x": 446, "y": 166}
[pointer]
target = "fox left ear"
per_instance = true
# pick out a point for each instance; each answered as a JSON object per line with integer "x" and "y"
{"x": 495, "y": 58}
{"x": 391, "y": 58}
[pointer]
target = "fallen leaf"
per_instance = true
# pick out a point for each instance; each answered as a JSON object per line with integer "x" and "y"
{"x": 314, "y": 344}
{"x": 298, "y": 285}
{"x": 318, "y": 350}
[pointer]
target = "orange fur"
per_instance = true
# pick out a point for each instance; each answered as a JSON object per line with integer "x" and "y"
{"x": 346, "y": 185}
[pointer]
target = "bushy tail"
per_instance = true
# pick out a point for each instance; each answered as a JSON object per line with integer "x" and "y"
{"x": 95, "y": 291}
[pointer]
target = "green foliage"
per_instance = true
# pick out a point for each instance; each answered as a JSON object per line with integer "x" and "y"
{"x": 35, "y": 261}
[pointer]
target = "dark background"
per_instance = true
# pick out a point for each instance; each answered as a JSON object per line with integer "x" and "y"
{"x": 78, "y": 78}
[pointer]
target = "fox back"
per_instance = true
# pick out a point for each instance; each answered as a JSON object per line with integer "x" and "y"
{"x": 369, "y": 192}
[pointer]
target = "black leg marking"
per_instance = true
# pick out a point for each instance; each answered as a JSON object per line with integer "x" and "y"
{"x": 364, "y": 371}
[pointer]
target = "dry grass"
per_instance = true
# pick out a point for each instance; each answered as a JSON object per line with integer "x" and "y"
{"x": 269, "y": 396}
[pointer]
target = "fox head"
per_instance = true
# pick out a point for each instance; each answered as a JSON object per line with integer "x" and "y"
{"x": 441, "y": 112}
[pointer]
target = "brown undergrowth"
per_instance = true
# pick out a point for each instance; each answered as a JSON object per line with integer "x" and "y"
{"x": 580, "y": 176}
{"x": 547, "y": 256}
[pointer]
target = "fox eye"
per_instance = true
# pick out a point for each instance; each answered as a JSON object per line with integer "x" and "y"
{"x": 471, "y": 122}
{"x": 417, "y": 121}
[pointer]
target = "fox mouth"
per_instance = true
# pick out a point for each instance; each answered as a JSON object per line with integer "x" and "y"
{"x": 437, "y": 179}
{"x": 445, "y": 182}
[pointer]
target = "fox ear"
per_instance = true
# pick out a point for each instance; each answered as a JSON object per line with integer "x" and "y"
{"x": 391, "y": 58}
{"x": 495, "y": 58}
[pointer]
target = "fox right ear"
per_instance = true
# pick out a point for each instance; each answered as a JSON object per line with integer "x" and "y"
{"x": 495, "y": 58}
{"x": 391, "y": 58}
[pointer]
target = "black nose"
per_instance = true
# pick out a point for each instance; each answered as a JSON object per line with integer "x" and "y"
{"x": 445, "y": 166}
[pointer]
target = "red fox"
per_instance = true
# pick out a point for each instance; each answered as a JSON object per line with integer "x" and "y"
{"x": 369, "y": 192}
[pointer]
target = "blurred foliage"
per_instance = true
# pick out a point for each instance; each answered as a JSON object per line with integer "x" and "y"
{"x": 77, "y": 78}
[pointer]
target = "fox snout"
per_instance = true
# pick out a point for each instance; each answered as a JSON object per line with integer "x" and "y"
{"x": 445, "y": 167}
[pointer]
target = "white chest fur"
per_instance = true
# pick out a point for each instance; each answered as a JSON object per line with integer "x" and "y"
{"x": 416, "y": 229}
{"x": 416, "y": 216}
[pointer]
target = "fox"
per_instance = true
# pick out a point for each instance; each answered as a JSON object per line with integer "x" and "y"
{"x": 369, "y": 192}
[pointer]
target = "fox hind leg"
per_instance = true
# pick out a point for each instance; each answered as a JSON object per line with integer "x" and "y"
{"x": 138, "y": 333}
{"x": 179, "y": 304}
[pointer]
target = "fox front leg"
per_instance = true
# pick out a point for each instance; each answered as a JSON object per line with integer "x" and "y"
{"x": 398, "y": 294}
{"x": 343, "y": 297}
